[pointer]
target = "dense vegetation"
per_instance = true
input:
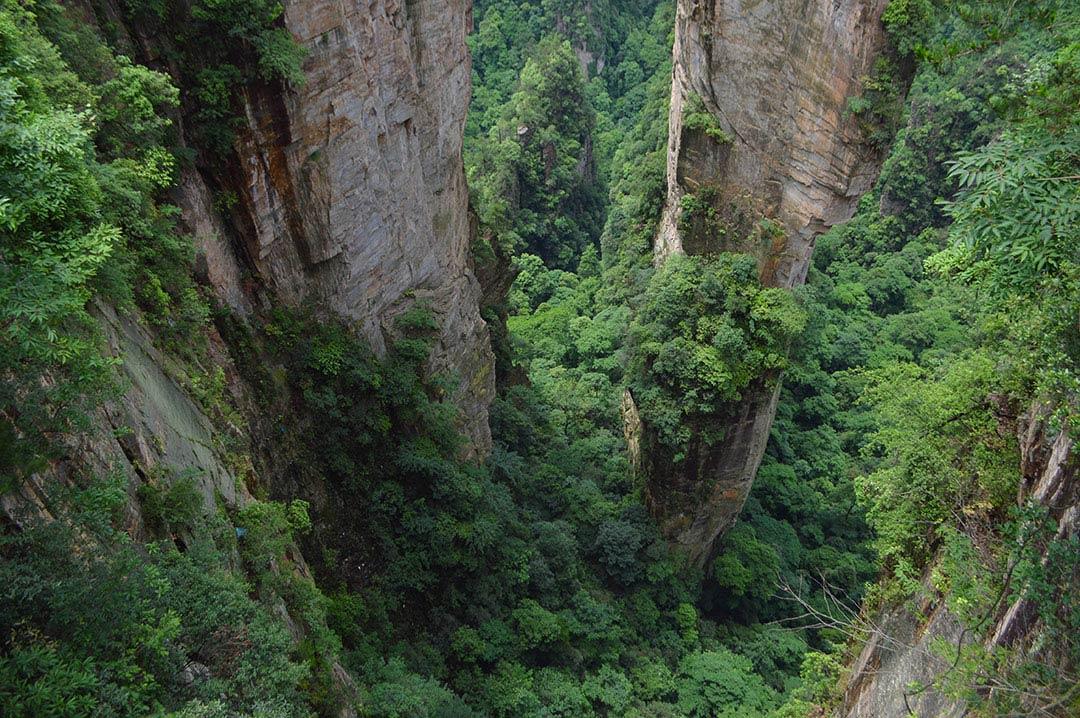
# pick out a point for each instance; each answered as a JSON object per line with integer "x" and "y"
{"x": 705, "y": 330}
{"x": 535, "y": 583}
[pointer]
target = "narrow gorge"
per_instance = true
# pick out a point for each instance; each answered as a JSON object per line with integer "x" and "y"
{"x": 657, "y": 358}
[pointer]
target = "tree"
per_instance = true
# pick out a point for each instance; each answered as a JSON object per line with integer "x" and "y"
{"x": 705, "y": 331}
{"x": 540, "y": 156}
{"x": 720, "y": 684}
{"x": 53, "y": 243}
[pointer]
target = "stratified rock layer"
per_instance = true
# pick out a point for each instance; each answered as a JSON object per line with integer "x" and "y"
{"x": 351, "y": 200}
{"x": 776, "y": 75}
{"x": 354, "y": 191}
{"x": 779, "y": 163}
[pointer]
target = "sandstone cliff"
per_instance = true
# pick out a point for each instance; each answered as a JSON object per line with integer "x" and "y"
{"x": 352, "y": 188}
{"x": 152, "y": 437}
{"x": 759, "y": 135}
{"x": 351, "y": 200}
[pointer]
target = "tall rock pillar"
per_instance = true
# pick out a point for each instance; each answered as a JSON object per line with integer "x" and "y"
{"x": 759, "y": 132}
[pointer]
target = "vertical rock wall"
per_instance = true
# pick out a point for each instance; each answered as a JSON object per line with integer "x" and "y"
{"x": 351, "y": 199}
{"x": 353, "y": 188}
{"x": 776, "y": 75}
{"x": 779, "y": 162}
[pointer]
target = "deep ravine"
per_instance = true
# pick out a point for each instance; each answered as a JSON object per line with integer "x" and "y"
{"x": 539, "y": 358}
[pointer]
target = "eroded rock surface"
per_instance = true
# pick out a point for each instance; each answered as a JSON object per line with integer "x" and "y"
{"x": 151, "y": 436}
{"x": 778, "y": 162}
{"x": 153, "y": 433}
{"x": 353, "y": 188}
{"x": 776, "y": 75}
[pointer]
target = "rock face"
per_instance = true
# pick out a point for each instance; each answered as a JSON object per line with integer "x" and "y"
{"x": 351, "y": 198}
{"x": 896, "y": 654}
{"x": 353, "y": 188}
{"x": 152, "y": 434}
{"x": 695, "y": 500}
{"x": 899, "y": 648}
{"x": 760, "y": 138}
{"x": 776, "y": 76}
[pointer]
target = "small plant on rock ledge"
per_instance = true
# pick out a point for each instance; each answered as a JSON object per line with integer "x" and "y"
{"x": 697, "y": 117}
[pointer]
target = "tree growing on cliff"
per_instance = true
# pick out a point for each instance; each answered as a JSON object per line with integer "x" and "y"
{"x": 536, "y": 179}
{"x": 706, "y": 330}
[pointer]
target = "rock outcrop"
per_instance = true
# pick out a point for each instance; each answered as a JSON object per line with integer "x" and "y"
{"x": 352, "y": 188}
{"x": 776, "y": 77}
{"x": 760, "y": 142}
{"x": 900, "y": 648}
{"x": 150, "y": 437}
{"x": 350, "y": 199}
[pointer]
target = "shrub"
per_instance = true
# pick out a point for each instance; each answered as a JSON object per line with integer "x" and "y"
{"x": 696, "y": 117}
{"x": 173, "y": 507}
{"x": 268, "y": 528}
